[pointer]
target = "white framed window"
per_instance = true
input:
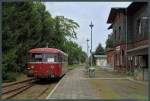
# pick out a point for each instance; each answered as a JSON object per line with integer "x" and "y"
{"x": 131, "y": 58}
{"x": 139, "y": 26}
{"x": 136, "y": 60}
{"x": 121, "y": 59}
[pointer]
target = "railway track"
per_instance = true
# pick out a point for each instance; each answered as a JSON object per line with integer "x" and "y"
{"x": 21, "y": 88}
{"x": 40, "y": 94}
{"x": 11, "y": 90}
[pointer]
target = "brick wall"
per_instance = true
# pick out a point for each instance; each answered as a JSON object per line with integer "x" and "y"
{"x": 110, "y": 57}
{"x": 119, "y": 29}
{"x": 120, "y": 58}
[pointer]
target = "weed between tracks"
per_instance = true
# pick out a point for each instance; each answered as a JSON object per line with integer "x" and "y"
{"x": 40, "y": 90}
{"x": 13, "y": 89}
{"x": 20, "y": 77}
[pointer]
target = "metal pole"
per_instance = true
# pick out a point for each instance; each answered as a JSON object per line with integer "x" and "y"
{"x": 87, "y": 51}
{"x": 87, "y": 47}
{"x": 126, "y": 41}
{"x": 91, "y": 25}
{"x": 91, "y": 47}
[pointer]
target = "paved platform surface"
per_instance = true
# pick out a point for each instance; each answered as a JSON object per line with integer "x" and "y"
{"x": 106, "y": 84}
{"x": 73, "y": 86}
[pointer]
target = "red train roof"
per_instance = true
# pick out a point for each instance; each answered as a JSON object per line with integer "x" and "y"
{"x": 46, "y": 50}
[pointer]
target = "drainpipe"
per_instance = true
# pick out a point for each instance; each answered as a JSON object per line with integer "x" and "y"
{"x": 148, "y": 50}
{"x": 126, "y": 39}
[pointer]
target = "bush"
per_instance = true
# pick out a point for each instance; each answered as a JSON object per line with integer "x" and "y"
{"x": 10, "y": 77}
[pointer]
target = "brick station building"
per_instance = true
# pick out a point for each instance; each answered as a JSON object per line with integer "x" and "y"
{"x": 130, "y": 39}
{"x": 117, "y": 20}
{"x": 110, "y": 57}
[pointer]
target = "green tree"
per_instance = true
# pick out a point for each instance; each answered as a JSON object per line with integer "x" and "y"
{"x": 83, "y": 57}
{"x": 64, "y": 28}
{"x": 73, "y": 51}
{"x": 99, "y": 50}
{"x": 28, "y": 25}
{"x": 109, "y": 41}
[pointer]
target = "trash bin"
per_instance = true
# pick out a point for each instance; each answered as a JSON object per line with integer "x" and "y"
{"x": 91, "y": 72}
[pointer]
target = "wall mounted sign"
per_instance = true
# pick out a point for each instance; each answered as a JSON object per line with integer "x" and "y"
{"x": 118, "y": 48}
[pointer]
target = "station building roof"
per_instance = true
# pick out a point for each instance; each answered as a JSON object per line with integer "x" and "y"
{"x": 135, "y": 6}
{"x": 113, "y": 13}
{"x": 131, "y": 9}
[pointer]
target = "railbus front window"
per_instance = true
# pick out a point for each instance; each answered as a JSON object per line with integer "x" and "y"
{"x": 36, "y": 57}
{"x": 49, "y": 57}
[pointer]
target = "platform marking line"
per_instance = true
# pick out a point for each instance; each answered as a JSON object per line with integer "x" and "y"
{"x": 99, "y": 78}
{"x": 48, "y": 97}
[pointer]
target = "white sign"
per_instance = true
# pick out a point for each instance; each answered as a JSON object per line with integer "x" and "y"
{"x": 50, "y": 59}
{"x": 118, "y": 48}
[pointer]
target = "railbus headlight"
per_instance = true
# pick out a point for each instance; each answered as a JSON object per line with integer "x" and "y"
{"x": 32, "y": 67}
{"x": 52, "y": 67}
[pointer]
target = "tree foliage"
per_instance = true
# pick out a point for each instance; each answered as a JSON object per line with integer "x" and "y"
{"x": 28, "y": 25}
{"x": 99, "y": 50}
{"x": 75, "y": 52}
{"x": 109, "y": 41}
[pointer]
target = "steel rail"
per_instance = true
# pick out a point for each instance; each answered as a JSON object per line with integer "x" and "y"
{"x": 4, "y": 86}
{"x": 22, "y": 90}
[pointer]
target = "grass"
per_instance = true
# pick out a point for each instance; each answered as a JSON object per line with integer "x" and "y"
{"x": 14, "y": 77}
{"x": 120, "y": 89}
{"x": 10, "y": 77}
{"x": 108, "y": 73}
{"x": 105, "y": 91}
{"x": 22, "y": 77}
{"x": 36, "y": 92}
{"x": 73, "y": 66}
{"x": 134, "y": 90}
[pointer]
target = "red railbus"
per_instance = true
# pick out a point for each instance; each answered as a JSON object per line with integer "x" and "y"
{"x": 47, "y": 63}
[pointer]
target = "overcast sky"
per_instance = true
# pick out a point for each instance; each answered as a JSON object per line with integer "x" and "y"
{"x": 83, "y": 13}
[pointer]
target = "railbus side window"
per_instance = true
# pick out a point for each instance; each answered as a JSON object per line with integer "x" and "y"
{"x": 60, "y": 57}
{"x": 55, "y": 58}
{"x": 64, "y": 58}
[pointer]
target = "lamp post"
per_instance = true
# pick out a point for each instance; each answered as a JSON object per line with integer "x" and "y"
{"x": 87, "y": 51}
{"x": 91, "y": 25}
{"x": 87, "y": 47}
